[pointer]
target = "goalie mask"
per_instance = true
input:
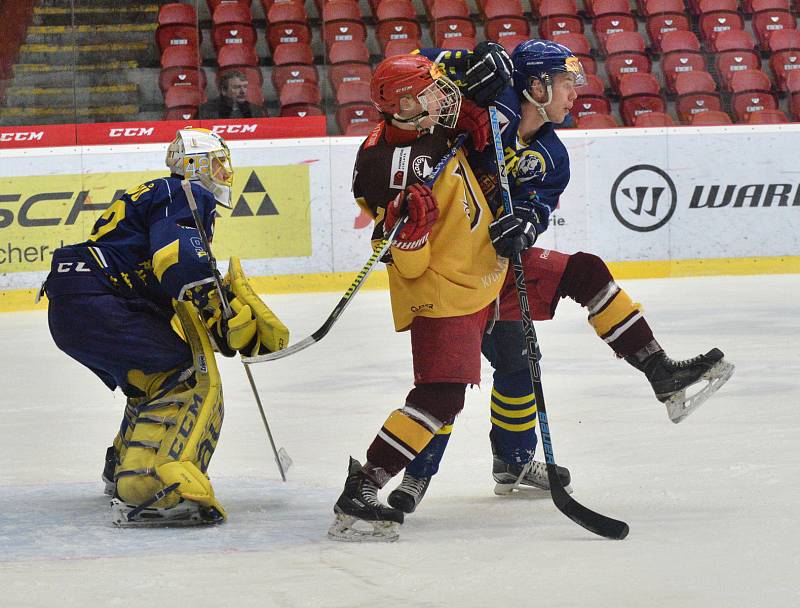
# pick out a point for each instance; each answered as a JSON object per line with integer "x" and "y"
{"x": 201, "y": 155}
{"x": 416, "y": 76}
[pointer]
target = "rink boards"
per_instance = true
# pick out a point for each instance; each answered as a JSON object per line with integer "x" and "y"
{"x": 656, "y": 202}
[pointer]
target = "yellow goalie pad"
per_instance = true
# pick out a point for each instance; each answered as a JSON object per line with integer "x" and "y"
{"x": 175, "y": 431}
{"x": 270, "y": 333}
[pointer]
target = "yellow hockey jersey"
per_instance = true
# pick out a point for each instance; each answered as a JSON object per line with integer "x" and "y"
{"x": 457, "y": 271}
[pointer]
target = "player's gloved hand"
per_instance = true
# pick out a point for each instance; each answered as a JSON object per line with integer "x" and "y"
{"x": 474, "y": 120}
{"x": 423, "y": 211}
{"x": 489, "y": 73}
{"x": 513, "y": 234}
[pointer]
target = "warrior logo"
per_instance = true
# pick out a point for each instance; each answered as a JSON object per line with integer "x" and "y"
{"x": 422, "y": 167}
{"x": 643, "y": 198}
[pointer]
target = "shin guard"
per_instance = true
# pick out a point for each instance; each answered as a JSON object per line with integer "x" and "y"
{"x": 513, "y": 416}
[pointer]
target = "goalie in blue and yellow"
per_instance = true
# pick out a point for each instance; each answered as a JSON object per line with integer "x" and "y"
{"x": 137, "y": 304}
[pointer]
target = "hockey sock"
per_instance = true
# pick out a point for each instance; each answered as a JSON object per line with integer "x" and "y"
{"x": 616, "y": 318}
{"x": 407, "y": 431}
{"x": 426, "y": 464}
{"x": 513, "y": 417}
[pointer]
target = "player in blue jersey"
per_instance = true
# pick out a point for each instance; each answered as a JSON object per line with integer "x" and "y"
{"x": 534, "y": 90}
{"x": 137, "y": 304}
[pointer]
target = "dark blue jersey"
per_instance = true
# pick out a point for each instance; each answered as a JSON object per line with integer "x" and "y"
{"x": 538, "y": 169}
{"x": 147, "y": 244}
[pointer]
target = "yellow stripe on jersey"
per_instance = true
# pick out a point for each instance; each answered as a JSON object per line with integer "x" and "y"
{"x": 410, "y": 432}
{"x": 165, "y": 257}
{"x": 516, "y": 428}
{"x": 620, "y": 307}
{"x": 445, "y": 430}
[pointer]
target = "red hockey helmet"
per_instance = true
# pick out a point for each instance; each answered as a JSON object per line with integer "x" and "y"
{"x": 401, "y": 75}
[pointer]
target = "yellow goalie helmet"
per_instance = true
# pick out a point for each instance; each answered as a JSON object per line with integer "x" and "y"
{"x": 203, "y": 156}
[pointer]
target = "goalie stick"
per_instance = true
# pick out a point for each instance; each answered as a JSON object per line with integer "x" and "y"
{"x": 583, "y": 516}
{"x": 361, "y": 277}
{"x": 282, "y": 458}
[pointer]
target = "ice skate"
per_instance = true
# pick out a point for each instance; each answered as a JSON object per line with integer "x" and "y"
{"x": 409, "y": 493}
{"x": 360, "y": 516}
{"x": 185, "y": 513}
{"x": 510, "y": 477}
{"x": 108, "y": 472}
{"x": 671, "y": 380}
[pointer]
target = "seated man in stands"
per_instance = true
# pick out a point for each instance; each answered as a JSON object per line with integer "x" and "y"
{"x": 232, "y": 101}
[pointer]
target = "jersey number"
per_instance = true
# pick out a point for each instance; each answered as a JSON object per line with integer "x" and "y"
{"x": 109, "y": 220}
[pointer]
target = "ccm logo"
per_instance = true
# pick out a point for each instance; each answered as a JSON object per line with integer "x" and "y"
{"x": 22, "y": 136}
{"x": 131, "y": 132}
{"x": 234, "y": 128}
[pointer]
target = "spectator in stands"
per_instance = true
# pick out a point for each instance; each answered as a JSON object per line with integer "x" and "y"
{"x": 232, "y": 101}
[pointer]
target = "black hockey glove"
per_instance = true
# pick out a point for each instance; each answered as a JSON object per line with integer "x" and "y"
{"x": 489, "y": 73}
{"x": 512, "y": 234}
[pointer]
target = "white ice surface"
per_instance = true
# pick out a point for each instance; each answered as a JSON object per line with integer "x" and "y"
{"x": 712, "y": 503}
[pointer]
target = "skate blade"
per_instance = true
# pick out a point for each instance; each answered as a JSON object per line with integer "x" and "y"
{"x": 505, "y": 489}
{"x": 181, "y": 515}
{"x": 679, "y": 406}
{"x": 347, "y": 528}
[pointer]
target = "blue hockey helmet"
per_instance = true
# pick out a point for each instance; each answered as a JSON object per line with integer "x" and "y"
{"x": 541, "y": 59}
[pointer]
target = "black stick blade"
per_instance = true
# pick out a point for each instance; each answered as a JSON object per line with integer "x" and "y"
{"x": 583, "y": 516}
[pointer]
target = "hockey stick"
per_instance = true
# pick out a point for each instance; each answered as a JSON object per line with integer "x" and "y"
{"x": 361, "y": 277}
{"x": 282, "y": 458}
{"x": 594, "y": 522}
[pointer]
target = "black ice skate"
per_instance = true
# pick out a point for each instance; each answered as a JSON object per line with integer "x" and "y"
{"x": 185, "y": 513}
{"x": 510, "y": 477}
{"x": 409, "y": 493}
{"x": 108, "y": 472}
{"x": 360, "y": 516}
{"x": 670, "y": 379}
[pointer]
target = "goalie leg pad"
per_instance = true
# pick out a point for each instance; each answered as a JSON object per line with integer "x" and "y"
{"x": 175, "y": 432}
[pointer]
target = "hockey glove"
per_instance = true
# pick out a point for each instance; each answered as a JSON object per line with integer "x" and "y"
{"x": 489, "y": 73}
{"x": 513, "y": 234}
{"x": 423, "y": 212}
{"x": 474, "y": 120}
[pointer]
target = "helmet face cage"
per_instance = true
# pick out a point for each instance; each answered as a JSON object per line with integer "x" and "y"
{"x": 201, "y": 155}
{"x": 441, "y": 100}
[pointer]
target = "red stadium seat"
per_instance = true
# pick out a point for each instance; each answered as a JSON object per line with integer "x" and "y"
{"x": 460, "y": 43}
{"x": 551, "y": 8}
{"x": 751, "y": 92}
{"x": 640, "y": 94}
{"x": 395, "y": 9}
{"x": 579, "y": 45}
{"x": 625, "y": 56}
{"x": 344, "y": 31}
{"x": 753, "y": 6}
{"x": 396, "y": 29}
{"x": 653, "y": 119}
{"x": 784, "y": 40}
{"x": 301, "y": 110}
{"x": 611, "y": 7}
{"x": 497, "y": 28}
{"x": 293, "y": 53}
{"x": 300, "y": 93}
{"x": 442, "y": 9}
{"x": 181, "y": 76}
{"x": 793, "y": 86}
{"x": 492, "y": 9}
{"x": 766, "y": 117}
{"x": 237, "y": 33}
{"x": 180, "y": 56}
{"x": 597, "y": 121}
{"x": 297, "y": 73}
{"x": 400, "y": 47}
{"x": 185, "y": 113}
{"x": 356, "y": 113}
{"x": 286, "y": 23}
{"x": 231, "y": 13}
{"x": 353, "y": 92}
{"x": 213, "y": 4}
{"x": 712, "y": 24}
{"x": 768, "y": 22}
{"x": 655, "y": 7}
{"x": 679, "y": 41}
{"x": 342, "y": 73}
{"x": 509, "y": 43}
{"x": 177, "y": 35}
{"x": 661, "y": 23}
{"x": 591, "y": 98}
{"x": 177, "y": 13}
{"x": 697, "y": 92}
{"x": 281, "y": 12}
{"x": 713, "y": 6}
{"x": 341, "y": 10}
{"x": 348, "y": 52}
{"x": 232, "y": 55}
{"x": 449, "y": 28}
{"x": 184, "y": 97}
{"x": 360, "y": 129}
{"x": 785, "y": 59}
{"x": 550, "y": 28}
{"x": 711, "y": 118}
{"x": 605, "y": 24}
{"x": 679, "y": 62}
{"x": 735, "y": 53}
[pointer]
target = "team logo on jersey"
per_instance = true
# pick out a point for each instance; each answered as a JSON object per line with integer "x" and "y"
{"x": 530, "y": 166}
{"x": 422, "y": 167}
